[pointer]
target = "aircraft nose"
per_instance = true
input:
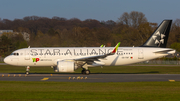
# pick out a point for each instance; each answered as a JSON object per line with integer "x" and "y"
{"x": 6, "y": 60}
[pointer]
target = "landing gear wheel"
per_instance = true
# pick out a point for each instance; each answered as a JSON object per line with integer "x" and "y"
{"x": 83, "y": 71}
{"x": 87, "y": 72}
{"x": 27, "y": 72}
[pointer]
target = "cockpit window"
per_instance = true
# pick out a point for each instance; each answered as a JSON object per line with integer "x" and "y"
{"x": 16, "y": 54}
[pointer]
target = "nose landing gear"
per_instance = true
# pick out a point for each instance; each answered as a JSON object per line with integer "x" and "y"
{"x": 27, "y": 70}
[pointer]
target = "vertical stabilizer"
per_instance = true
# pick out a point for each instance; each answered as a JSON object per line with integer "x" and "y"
{"x": 160, "y": 36}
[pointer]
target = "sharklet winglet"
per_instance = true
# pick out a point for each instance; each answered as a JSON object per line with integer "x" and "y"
{"x": 115, "y": 48}
{"x": 101, "y": 45}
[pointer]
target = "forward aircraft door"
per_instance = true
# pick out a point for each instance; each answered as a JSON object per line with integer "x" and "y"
{"x": 140, "y": 54}
{"x": 27, "y": 55}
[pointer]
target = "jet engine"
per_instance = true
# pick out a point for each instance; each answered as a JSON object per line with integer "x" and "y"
{"x": 65, "y": 66}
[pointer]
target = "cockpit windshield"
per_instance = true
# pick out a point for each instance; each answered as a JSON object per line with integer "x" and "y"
{"x": 16, "y": 54}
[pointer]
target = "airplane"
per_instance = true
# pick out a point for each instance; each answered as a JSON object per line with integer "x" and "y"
{"x": 102, "y": 46}
{"x": 68, "y": 59}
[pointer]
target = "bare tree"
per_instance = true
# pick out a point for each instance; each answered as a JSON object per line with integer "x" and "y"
{"x": 124, "y": 19}
{"x": 133, "y": 19}
{"x": 176, "y": 24}
{"x": 59, "y": 18}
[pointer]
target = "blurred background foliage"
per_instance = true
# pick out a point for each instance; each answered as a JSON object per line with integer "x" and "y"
{"x": 131, "y": 29}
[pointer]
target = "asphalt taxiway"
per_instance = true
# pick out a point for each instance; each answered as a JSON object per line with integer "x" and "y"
{"x": 91, "y": 77}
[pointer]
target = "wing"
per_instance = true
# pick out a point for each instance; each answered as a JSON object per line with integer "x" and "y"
{"x": 96, "y": 58}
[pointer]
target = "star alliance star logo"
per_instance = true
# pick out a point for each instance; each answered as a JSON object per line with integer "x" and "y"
{"x": 157, "y": 41}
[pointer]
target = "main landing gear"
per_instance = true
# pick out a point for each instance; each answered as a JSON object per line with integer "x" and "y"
{"x": 27, "y": 70}
{"x": 85, "y": 69}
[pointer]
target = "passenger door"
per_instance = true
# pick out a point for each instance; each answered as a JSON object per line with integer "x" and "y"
{"x": 140, "y": 54}
{"x": 27, "y": 55}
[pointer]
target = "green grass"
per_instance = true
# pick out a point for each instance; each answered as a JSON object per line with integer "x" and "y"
{"x": 76, "y": 91}
{"x": 108, "y": 69}
{"x": 60, "y": 91}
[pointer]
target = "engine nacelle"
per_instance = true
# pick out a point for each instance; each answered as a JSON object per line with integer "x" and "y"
{"x": 65, "y": 66}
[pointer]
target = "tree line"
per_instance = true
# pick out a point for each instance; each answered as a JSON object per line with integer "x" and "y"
{"x": 131, "y": 29}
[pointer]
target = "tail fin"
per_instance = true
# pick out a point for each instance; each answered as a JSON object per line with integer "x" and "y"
{"x": 160, "y": 36}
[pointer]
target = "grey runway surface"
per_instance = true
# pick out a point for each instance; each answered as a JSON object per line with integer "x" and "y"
{"x": 91, "y": 77}
{"x": 3, "y": 64}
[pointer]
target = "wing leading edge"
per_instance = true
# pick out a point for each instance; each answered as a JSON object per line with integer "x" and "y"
{"x": 96, "y": 58}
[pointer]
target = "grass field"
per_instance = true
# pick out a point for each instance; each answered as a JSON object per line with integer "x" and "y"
{"x": 75, "y": 91}
{"x": 109, "y": 69}
{"x": 63, "y": 91}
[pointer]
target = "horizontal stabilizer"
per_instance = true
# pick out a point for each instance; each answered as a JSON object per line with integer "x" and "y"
{"x": 165, "y": 52}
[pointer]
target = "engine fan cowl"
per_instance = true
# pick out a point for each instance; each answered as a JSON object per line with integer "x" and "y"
{"x": 65, "y": 66}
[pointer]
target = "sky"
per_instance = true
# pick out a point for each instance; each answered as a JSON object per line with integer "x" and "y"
{"x": 155, "y": 10}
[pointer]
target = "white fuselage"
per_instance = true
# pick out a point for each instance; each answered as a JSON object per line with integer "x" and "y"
{"x": 49, "y": 56}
